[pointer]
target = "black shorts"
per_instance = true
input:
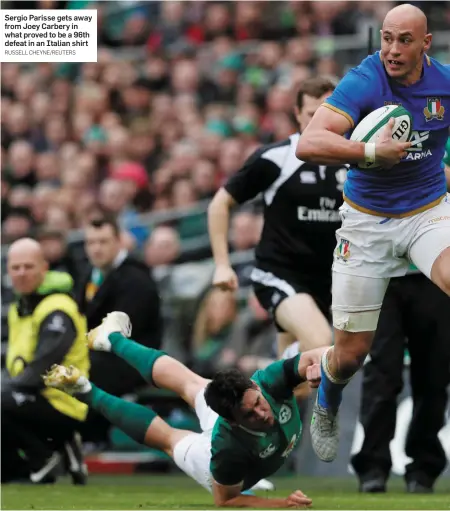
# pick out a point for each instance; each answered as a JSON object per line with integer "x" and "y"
{"x": 272, "y": 286}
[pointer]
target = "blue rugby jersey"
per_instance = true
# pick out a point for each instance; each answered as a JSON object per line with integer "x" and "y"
{"x": 418, "y": 181}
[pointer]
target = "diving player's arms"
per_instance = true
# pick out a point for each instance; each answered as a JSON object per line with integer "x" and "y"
{"x": 447, "y": 175}
{"x": 218, "y": 223}
{"x": 323, "y": 142}
{"x": 231, "y": 496}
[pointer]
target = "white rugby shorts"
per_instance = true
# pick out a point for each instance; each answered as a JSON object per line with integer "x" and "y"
{"x": 380, "y": 248}
{"x": 192, "y": 454}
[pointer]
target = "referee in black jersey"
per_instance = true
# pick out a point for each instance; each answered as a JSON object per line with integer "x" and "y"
{"x": 292, "y": 275}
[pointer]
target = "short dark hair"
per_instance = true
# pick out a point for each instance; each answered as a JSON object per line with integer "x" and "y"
{"x": 224, "y": 393}
{"x": 315, "y": 87}
{"x": 99, "y": 221}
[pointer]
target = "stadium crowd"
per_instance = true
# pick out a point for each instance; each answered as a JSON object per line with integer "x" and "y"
{"x": 181, "y": 95}
{"x": 162, "y": 128}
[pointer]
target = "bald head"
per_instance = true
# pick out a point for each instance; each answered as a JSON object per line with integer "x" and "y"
{"x": 404, "y": 41}
{"x": 26, "y": 265}
{"x": 407, "y": 15}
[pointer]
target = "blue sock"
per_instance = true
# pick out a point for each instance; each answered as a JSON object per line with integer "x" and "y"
{"x": 248, "y": 492}
{"x": 330, "y": 388}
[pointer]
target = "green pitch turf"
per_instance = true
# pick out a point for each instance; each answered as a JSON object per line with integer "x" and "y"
{"x": 178, "y": 492}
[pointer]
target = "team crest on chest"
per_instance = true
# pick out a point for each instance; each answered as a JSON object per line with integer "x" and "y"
{"x": 434, "y": 109}
{"x": 285, "y": 414}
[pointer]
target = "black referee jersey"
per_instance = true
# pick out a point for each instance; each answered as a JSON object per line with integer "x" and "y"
{"x": 301, "y": 203}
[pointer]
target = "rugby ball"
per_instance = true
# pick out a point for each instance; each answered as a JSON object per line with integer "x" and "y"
{"x": 370, "y": 128}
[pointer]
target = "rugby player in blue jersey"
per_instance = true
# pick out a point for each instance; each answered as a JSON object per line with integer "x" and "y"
{"x": 392, "y": 216}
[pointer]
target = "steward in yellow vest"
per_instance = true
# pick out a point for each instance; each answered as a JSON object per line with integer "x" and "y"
{"x": 45, "y": 327}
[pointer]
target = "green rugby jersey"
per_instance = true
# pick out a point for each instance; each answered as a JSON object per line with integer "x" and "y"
{"x": 447, "y": 153}
{"x": 238, "y": 454}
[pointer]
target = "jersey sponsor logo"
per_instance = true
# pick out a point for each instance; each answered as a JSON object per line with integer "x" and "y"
{"x": 417, "y": 150}
{"x": 290, "y": 447}
{"x": 439, "y": 219}
{"x": 268, "y": 451}
{"x": 434, "y": 109}
{"x": 389, "y": 103}
{"x": 341, "y": 177}
{"x": 285, "y": 414}
{"x": 343, "y": 250}
{"x": 308, "y": 177}
{"x": 326, "y": 213}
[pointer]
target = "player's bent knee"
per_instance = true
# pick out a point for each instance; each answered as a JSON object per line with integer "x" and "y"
{"x": 363, "y": 321}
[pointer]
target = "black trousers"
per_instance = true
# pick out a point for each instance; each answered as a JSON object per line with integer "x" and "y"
{"x": 417, "y": 312}
{"x": 31, "y": 431}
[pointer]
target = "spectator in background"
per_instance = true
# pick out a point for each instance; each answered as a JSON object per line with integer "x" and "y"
{"x": 163, "y": 247}
{"x": 17, "y": 225}
{"x": 212, "y": 327}
{"x": 56, "y": 253}
{"x": 245, "y": 231}
{"x": 252, "y": 340}
{"x": 116, "y": 282}
{"x": 45, "y": 327}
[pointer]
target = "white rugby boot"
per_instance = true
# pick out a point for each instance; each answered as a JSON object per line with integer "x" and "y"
{"x": 68, "y": 379}
{"x": 97, "y": 338}
{"x": 324, "y": 431}
{"x": 263, "y": 484}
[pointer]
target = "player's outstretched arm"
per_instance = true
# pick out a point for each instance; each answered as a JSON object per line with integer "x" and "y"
{"x": 309, "y": 365}
{"x": 231, "y": 496}
{"x": 218, "y": 224}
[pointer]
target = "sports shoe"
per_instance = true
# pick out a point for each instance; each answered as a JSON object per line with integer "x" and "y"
{"x": 47, "y": 473}
{"x": 97, "y": 338}
{"x": 74, "y": 460}
{"x": 68, "y": 379}
{"x": 324, "y": 432}
{"x": 263, "y": 484}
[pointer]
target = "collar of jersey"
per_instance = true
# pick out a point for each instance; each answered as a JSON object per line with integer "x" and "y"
{"x": 255, "y": 433}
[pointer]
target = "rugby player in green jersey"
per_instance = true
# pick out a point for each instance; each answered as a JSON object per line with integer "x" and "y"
{"x": 249, "y": 426}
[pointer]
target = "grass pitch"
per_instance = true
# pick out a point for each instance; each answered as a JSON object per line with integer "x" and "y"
{"x": 179, "y": 492}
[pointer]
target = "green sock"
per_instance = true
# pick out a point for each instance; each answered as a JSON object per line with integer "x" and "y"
{"x": 131, "y": 418}
{"x": 138, "y": 356}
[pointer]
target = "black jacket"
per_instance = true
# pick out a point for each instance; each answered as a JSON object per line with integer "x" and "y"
{"x": 128, "y": 288}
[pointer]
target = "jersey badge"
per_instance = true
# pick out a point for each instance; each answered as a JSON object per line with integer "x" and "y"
{"x": 434, "y": 109}
{"x": 285, "y": 414}
{"x": 290, "y": 447}
{"x": 343, "y": 250}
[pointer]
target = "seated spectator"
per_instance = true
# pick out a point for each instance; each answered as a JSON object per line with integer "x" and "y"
{"x": 116, "y": 282}
{"x": 45, "y": 327}
{"x": 212, "y": 327}
{"x": 251, "y": 345}
{"x": 163, "y": 247}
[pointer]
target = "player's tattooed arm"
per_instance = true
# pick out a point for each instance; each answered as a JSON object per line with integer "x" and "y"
{"x": 231, "y": 496}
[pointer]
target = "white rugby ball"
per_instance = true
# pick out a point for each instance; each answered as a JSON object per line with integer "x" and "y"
{"x": 370, "y": 128}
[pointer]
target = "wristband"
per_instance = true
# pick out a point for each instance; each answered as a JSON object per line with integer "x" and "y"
{"x": 369, "y": 152}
